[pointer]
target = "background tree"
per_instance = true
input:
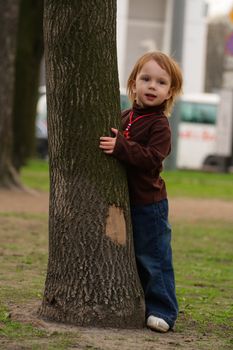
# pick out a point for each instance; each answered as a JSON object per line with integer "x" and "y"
{"x": 91, "y": 277}
{"x": 28, "y": 59}
{"x": 21, "y": 51}
{"x": 8, "y": 32}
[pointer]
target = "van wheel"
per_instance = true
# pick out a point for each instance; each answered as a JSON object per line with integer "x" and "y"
{"x": 216, "y": 163}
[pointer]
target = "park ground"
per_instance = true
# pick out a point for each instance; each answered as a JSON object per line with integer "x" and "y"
{"x": 202, "y": 245}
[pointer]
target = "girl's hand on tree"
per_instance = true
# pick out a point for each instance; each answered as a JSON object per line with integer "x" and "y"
{"x": 107, "y": 143}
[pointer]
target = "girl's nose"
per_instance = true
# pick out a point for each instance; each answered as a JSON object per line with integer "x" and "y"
{"x": 152, "y": 85}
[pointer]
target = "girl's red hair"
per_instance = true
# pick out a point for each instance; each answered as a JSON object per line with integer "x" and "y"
{"x": 169, "y": 65}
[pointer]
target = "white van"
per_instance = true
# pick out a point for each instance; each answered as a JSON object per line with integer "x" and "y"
{"x": 197, "y": 130}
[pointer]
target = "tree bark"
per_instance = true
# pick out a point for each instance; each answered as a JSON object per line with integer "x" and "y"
{"x": 91, "y": 278}
{"x": 8, "y": 33}
{"x": 28, "y": 59}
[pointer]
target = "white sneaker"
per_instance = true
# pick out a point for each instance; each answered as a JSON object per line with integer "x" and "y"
{"x": 157, "y": 324}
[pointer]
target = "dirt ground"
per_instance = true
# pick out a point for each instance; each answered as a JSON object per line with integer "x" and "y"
{"x": 180, "y": 208}
{"x": 117, "y": 339}
{"x": 112, "y": 339}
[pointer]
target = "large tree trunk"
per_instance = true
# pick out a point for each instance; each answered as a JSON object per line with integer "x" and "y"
{"x": 28, "y": 60}
{"x": 8, "y": 32}
{"x": 91, "y": 278}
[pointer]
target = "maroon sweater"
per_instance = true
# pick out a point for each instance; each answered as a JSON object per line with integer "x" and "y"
{"x": 143, "y": 152}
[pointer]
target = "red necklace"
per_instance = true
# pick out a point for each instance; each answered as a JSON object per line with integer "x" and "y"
{"x": 131, "y": 121}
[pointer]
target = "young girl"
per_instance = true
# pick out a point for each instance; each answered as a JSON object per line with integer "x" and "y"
{"x": 152, "y": 86}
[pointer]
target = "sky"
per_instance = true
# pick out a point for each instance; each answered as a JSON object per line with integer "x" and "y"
{"x": 219, "y": 7}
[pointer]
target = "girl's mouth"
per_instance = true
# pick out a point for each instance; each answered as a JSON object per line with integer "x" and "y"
{"x": 150, "y": 96}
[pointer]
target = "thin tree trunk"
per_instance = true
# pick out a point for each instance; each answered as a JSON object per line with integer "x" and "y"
{"x": 8, "y": 33}
{"x": 91, "y": 277}
{"x": 28, "y": 59}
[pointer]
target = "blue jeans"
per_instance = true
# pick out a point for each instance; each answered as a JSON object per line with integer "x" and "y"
{"x": 152, "y": 243}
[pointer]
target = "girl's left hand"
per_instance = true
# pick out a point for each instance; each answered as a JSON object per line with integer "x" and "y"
{"x": 107, "y": 143}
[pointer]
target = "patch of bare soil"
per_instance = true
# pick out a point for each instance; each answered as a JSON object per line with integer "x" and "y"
{"x": 24, "y": 202}
{"x": 118, "y": 339}
{"x": 194, "y": 209}
{"x": 180, "y": 208}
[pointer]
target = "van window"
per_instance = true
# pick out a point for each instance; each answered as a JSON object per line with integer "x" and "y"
{"x": 192, "y": 112}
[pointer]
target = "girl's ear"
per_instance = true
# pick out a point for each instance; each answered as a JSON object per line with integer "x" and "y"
{"x": 170, "y": 93}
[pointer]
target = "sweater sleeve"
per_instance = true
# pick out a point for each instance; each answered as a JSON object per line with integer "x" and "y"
{"x": 145, "y": 157}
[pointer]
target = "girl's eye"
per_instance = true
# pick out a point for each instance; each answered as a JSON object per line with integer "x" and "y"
{"x": 162, "y": 82}
{"x": 145, "y": 78}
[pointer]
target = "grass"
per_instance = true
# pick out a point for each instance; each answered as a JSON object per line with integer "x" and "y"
{"x": 203, "y": 259}
{"x": 23, "y": 261}
{"x": 36, "y": 175}
{"x": 203, "y": 262}
{"x": 29, "y": 336}
{"x": 182, "y": 183}
{"x": 202, "y": 256}
{"x": 16, "y": 330}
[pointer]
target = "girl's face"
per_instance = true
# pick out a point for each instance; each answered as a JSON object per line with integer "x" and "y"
{"x": 152, "y": 85}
